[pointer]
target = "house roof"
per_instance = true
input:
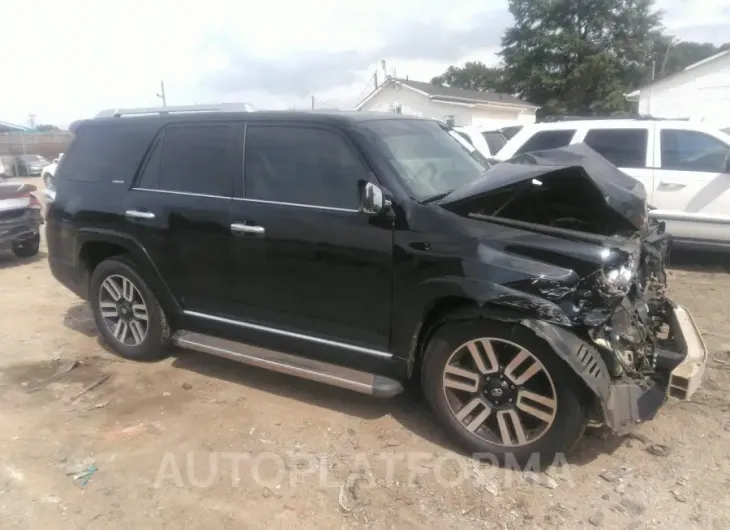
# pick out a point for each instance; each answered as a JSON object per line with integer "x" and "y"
{"x": 446, "y": 94}
{"x": 635, "y": 94}
{"x": 11, "y": 127}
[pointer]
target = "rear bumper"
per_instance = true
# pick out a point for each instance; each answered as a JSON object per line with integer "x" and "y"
{"x": 21, "y": 228}
{"x": 70, "y": 276}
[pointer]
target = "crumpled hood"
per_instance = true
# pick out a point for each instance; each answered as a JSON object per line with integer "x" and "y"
{"x": 621, "y": 193}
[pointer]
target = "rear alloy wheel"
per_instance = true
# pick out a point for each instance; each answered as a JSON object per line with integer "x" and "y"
{"x": 126, "y": 311}
{"x": 500, "y": 390}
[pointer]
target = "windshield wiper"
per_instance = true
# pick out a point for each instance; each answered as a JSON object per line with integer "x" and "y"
{"x": 436, "y": 197}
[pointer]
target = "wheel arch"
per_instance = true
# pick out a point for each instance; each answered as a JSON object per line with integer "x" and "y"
{"x": 96, "y": 245}
{"x": 583, "y": 360}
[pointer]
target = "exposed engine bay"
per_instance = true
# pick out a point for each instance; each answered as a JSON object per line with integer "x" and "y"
{"x": 640, "y": 324}
{"x": 574, "y": 193}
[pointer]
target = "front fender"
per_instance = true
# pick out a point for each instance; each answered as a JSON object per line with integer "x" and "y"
{"x": 585, "y": 361}
{"x": 420, "y": 309}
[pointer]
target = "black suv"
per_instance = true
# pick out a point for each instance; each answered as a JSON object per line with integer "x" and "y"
{"x": 364, "y": 250}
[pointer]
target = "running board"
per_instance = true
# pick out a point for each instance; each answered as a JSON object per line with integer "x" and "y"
{"x": 331, "y": 374}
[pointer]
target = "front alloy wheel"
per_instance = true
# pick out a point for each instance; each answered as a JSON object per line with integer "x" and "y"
{"x": 501, "y": 391}
{"x": 124, "y": 310}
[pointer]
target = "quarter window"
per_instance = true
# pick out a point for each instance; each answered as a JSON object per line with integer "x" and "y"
{"x": 547, "y": 140}
{"x": 301, "y": 165}
{"x": 693, "y": 151}
{"x": 621, "y": 147}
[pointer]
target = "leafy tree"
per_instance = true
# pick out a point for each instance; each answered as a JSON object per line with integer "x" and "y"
{"x": 46, "y": 128}
{"x": 473, "y": 76}
{"x": 578, "y": 57}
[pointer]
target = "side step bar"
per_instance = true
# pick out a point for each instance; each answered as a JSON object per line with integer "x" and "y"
{"x": 331, "y": 374}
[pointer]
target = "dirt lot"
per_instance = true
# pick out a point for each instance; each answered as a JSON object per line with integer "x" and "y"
{"x": 197, "y": 442}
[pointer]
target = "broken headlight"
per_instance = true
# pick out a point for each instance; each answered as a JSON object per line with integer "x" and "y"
{"x": 618, "y": 277}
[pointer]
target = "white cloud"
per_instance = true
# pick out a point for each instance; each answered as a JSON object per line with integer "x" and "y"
{"x": 66, "y": 60}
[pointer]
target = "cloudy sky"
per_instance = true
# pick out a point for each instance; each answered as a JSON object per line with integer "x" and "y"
{"x": 66, "y": 60}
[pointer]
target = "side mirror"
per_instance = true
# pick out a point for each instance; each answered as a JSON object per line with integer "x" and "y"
{"x": 373, "y": 199}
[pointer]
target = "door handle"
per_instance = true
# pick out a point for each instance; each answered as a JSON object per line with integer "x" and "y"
{"x": 136, "y": 214}
{"x": 670, "y": 186}
{"x": 240, "y": 228}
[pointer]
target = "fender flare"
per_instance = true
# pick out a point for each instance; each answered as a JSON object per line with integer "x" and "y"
{"x": 584, "y": 359}
{"x": 139, "y": 254}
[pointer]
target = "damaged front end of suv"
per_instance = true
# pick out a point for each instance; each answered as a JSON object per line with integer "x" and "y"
{"x": 609, "y": 318}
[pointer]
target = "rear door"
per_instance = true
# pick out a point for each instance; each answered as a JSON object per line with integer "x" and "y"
{"x": 628, "y": 149}
{"x": 692, "y": 184}
{"x": 178, "y": 209}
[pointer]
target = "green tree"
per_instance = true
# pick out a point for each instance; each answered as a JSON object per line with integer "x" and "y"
{"x": 473, "y": 76}
{"x": 46, "y": 128}
{"x": 579, "y": 57}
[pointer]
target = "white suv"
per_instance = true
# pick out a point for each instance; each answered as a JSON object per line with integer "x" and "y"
{"x": 486, "y": 141}
{"x": 684, "y": 167}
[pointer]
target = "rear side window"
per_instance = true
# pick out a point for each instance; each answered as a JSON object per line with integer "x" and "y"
{"x": 106, "y": 151}
{"x": 494, "y": 140}
{"x": 191, "y": 159}
{"x": 547, "y": 140}
{"x": 621, "y": 147}
{"x": 301, "y": 165}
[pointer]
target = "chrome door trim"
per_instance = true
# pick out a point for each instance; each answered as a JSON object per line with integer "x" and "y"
{"x": 291, "y": 334}
{"x": 248, "y": 229}
{"x": 136, "y": 214}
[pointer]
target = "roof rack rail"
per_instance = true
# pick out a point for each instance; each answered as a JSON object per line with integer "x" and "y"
{"x": 180, "y": 109}
{"x": 548, "y": 119}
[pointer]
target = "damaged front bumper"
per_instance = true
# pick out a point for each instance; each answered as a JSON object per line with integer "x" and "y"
{"x": 685, "y": 379}
{"x": 679, "y": 374}
{"x": 18, "y": 227}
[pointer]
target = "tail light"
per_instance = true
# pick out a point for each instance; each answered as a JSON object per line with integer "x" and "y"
{"x": 33, "y": 201}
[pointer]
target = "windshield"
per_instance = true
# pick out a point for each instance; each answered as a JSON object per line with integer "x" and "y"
{"x": 429, "y": 159}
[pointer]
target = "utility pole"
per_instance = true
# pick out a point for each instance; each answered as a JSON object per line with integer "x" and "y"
{"x": 31, "y": 119}
{"x": 672, "y": 42}
{"x": 312, "y": 102}
{"x": 161, "y": 94}
{"x": 375, "y": 80}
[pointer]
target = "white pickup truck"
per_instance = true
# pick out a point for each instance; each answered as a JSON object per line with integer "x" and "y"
{"x": 683, "y": 165}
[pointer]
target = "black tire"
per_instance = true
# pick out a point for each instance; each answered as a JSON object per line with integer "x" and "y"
{"x": 48, "y": 181}
{"x": 28, "y": 248}
{"x": 155, "y": 344}
{"x": 569, "y": 417}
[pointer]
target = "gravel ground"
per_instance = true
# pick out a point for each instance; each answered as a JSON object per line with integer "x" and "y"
{"x": 90, "y": 441}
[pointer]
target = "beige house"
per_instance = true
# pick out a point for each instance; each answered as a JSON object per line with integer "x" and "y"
{"x": 457, "y": 106}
